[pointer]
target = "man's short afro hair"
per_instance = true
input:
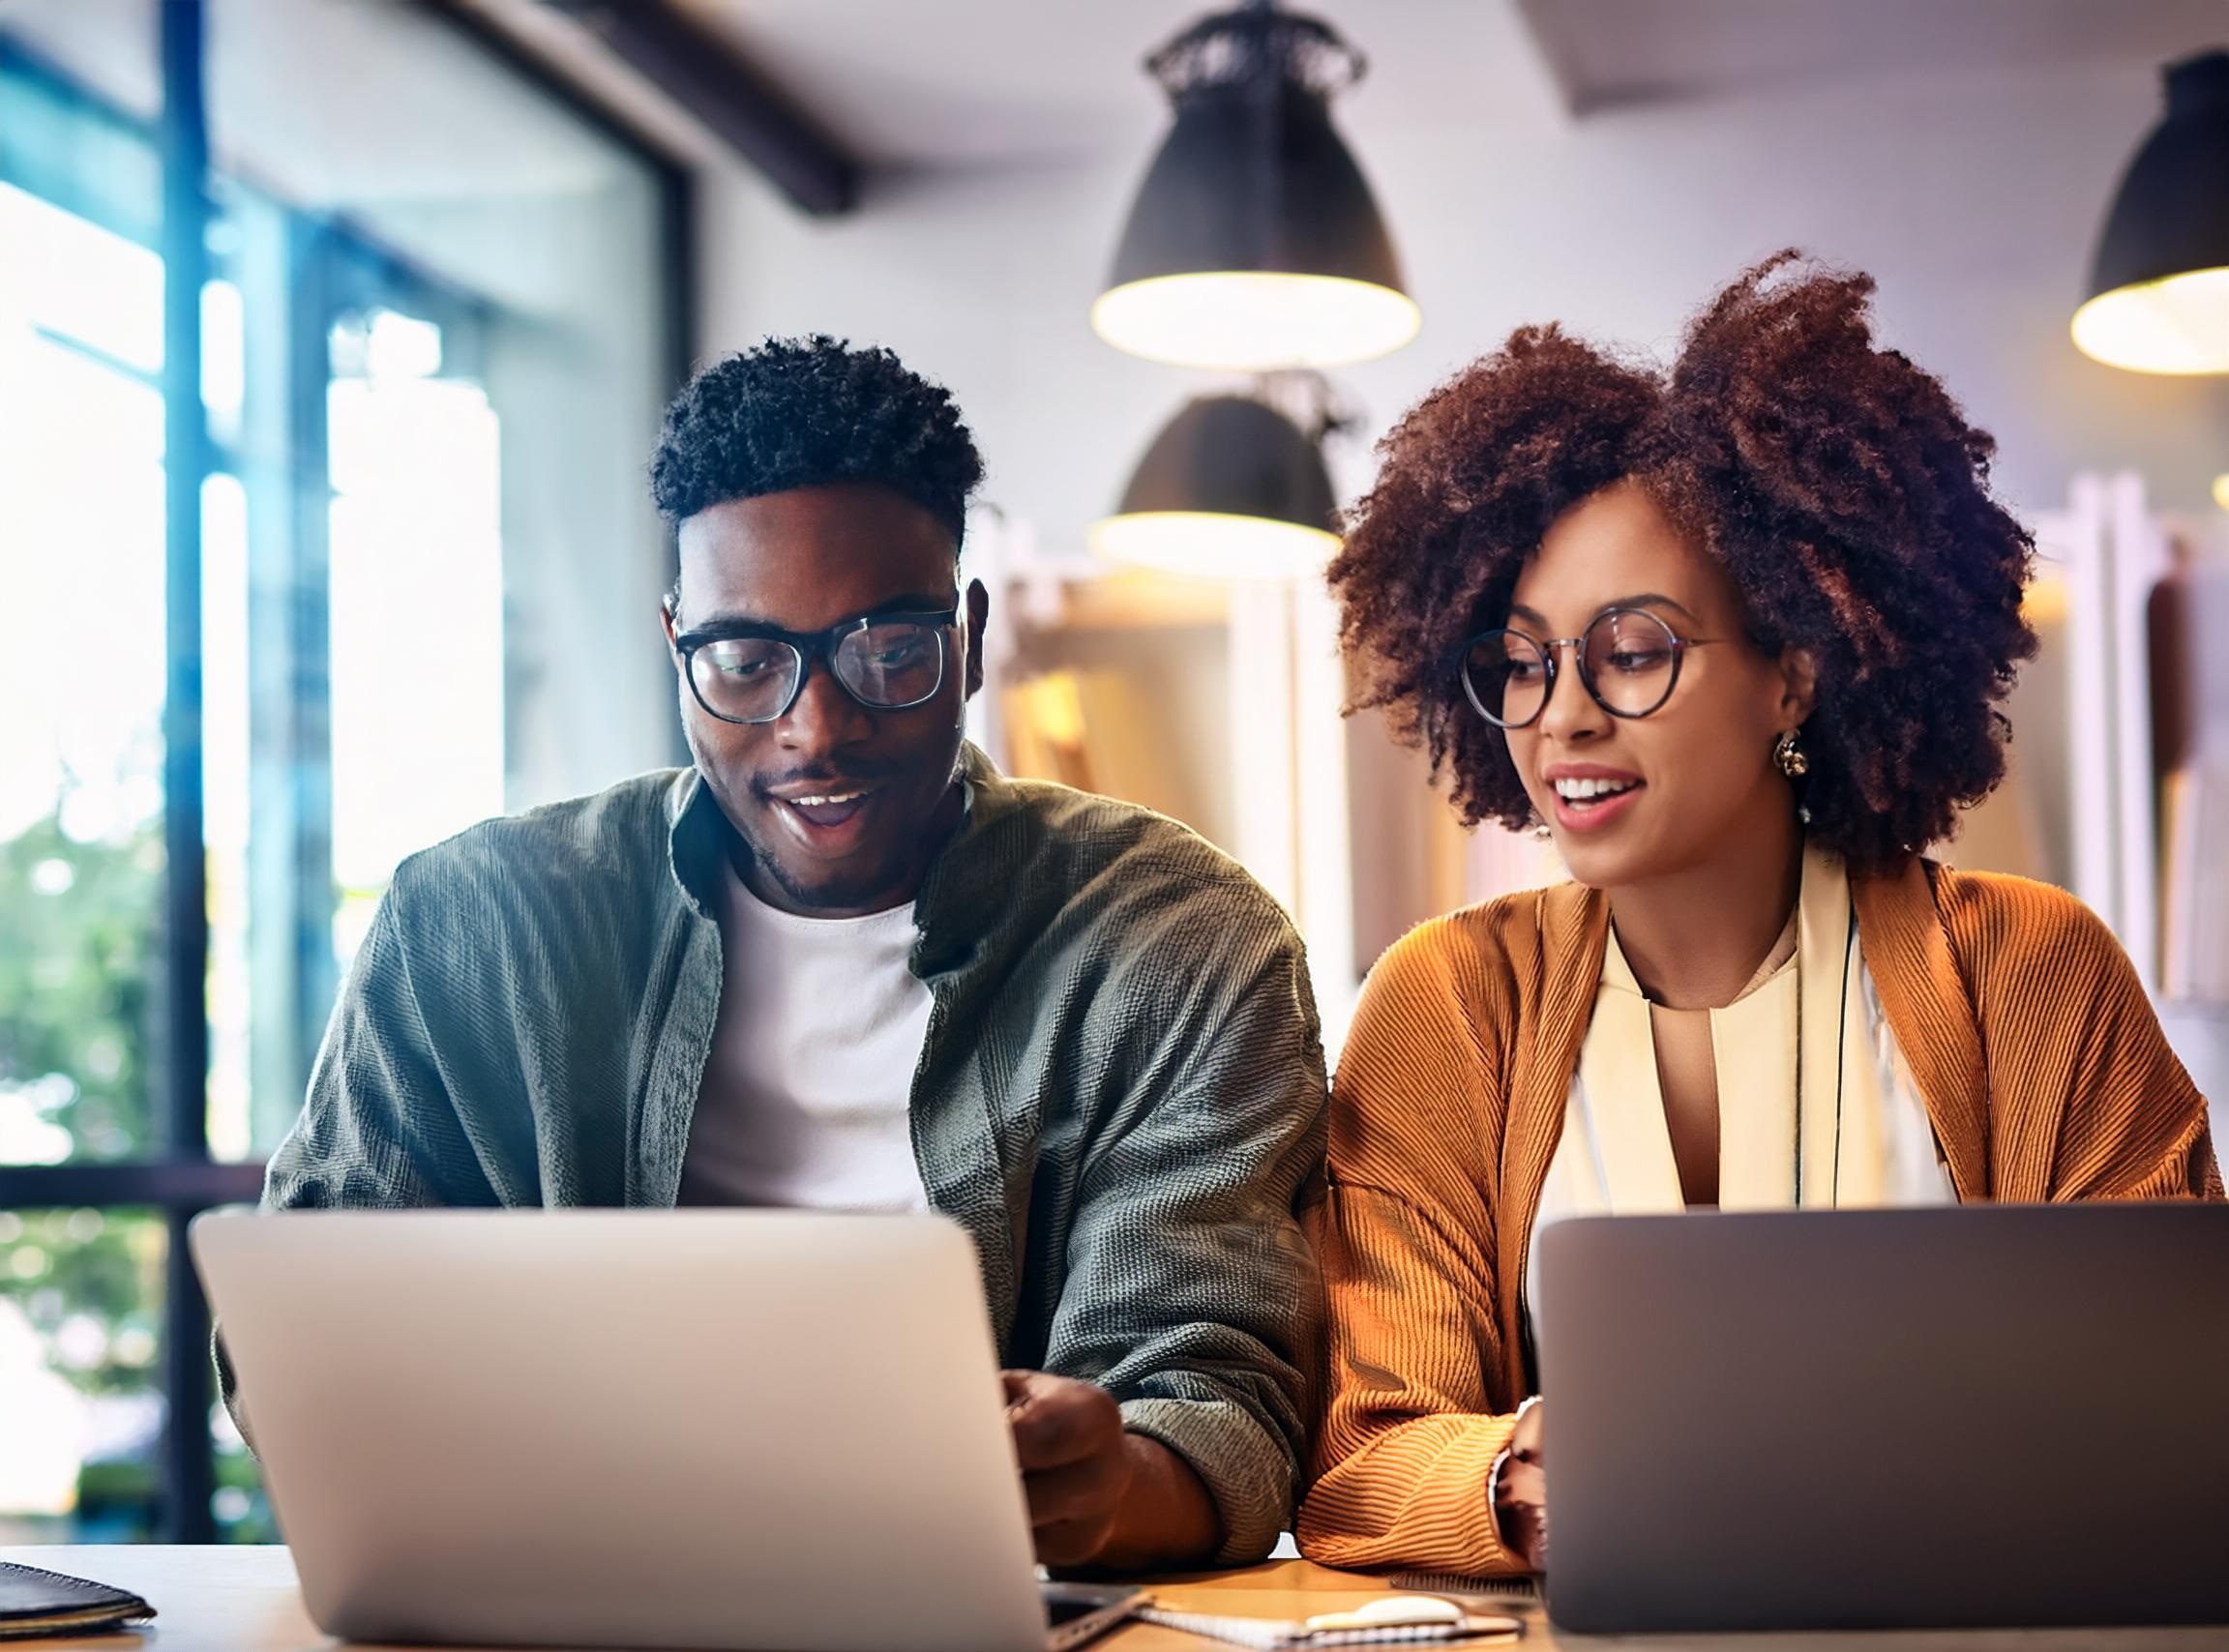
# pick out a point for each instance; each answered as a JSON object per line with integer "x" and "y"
{"x": 807, "y": 412}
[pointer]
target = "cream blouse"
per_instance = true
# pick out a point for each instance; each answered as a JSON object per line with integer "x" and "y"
{"x": 1815, "y": 1103}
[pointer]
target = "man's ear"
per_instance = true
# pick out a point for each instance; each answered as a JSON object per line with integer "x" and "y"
{"x": 1798, "y": 686}
{"x": 666, "y": 614}
{"x": 978, "y": 628}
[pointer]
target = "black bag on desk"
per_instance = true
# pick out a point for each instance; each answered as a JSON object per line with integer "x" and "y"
{"x": 36, "y": 1602}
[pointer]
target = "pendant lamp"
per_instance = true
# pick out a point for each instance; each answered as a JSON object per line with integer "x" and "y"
{"x": 1254, "y": 243}
{"x": 2160, "y": 285}
{"x": 1230, "y": 490}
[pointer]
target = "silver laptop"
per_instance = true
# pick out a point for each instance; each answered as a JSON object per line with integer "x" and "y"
{"x": 2005, "y": 1416}
{"x": 674, "y": 1429}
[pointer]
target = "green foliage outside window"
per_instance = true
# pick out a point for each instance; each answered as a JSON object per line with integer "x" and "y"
{"x": 80, "y": 922}
{"x": 77, "y": 982}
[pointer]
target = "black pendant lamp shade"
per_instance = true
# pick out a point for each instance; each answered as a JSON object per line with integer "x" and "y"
{"x": 1255, "y": 243}
{"x": 2159, "y": 289}
{"x": 1230, "y": 490}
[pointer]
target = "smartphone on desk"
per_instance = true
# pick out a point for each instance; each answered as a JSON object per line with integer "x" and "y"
{"x": 1076, "y": 1612}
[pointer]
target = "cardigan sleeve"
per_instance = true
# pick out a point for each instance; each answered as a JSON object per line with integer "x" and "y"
{"x": 2065, "y": 1024}
{"x": 1403, "y": 1236}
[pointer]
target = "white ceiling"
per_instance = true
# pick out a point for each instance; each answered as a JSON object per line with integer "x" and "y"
{"x": 934, "y": 83}
{"x": 1606, "y": 52}
{"x": 973, "y": 83}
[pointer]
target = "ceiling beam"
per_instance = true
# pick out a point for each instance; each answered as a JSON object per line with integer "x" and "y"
{"x": 1544, "y": 37}
{"x": 732, "y": 96}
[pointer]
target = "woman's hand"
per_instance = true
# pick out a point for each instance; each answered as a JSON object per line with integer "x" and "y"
{"x": 1521, "y": 1495}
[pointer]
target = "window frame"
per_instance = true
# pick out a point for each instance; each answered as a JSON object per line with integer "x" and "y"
{"x": 182, "y": 1180}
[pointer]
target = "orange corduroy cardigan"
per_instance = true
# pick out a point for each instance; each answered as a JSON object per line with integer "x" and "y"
{"x": 2026, "y": 1032}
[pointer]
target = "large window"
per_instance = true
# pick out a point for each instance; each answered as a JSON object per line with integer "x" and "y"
{"x": 432, "y": 328}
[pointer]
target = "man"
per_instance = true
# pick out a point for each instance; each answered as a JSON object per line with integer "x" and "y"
{"x": 843, "y": 963}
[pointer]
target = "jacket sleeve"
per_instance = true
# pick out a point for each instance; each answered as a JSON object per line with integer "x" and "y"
{"x": 1405, "y": 1237}
{"x": 2065, "y": 1024}
{"x": 1189, "y": 1293}
{"x": 377, "y": 1130}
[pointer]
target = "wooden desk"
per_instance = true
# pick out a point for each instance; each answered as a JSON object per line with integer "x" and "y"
{"x": 243, "y": 1599}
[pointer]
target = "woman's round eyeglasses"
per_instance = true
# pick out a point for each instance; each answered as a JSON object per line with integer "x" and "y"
{"x": 1629, "y": 659}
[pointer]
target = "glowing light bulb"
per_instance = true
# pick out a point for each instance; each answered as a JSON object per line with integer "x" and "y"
{"x": 2177, "y": 325}
{"x": 1242, "y": 321}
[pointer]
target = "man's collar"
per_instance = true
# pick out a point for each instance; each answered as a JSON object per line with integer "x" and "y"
{"x": 696, "y": 840}
{"x": 973, "y": 881}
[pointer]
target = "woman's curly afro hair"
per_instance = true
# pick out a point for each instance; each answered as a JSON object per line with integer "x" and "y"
{"x": 1838, "y": 483}
{"x": 806, "y": 412}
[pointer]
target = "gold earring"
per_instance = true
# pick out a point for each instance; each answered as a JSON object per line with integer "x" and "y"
{"x": 1788, "y": 758}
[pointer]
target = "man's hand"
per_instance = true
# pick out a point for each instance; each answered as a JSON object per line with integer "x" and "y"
{"x": 1075, "y": 1465}
{"x": 1521, "y": 1497}
{"x": 1098, "y": 1496}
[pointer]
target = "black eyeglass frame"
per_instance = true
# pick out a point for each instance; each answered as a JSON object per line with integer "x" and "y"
{"x": 811, "y": 647}
{"x": 1551, "y": 651}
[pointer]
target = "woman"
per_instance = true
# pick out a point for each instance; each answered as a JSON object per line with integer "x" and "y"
{"x": 1735, "y": 636}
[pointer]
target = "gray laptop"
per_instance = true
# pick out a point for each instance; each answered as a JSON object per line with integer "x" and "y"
{"x": 671, "y": 1429}
{"x": 2010, "y": 1416}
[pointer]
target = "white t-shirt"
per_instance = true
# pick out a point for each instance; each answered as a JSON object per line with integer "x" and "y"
{"x": 807, "y": 1090}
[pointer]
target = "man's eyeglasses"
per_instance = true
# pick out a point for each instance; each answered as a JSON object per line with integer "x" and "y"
{"x": 755, "y": 674}
{"x": 1629, "y": 659}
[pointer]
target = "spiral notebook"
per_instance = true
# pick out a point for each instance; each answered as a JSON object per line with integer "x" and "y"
{"x": 35, "y": 1603}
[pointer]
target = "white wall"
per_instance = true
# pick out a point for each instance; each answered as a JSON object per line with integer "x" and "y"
{"x": 1975, "y": 201}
